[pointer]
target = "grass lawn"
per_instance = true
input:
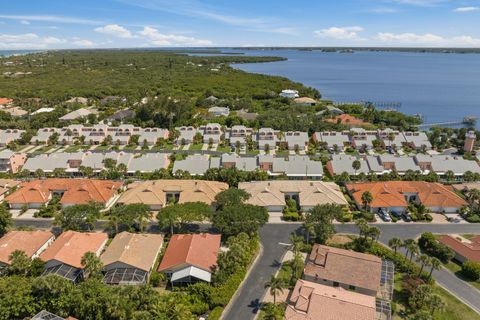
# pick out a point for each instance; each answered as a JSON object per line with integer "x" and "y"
{"x": 130, "y": 147}
{"x": 73, "y": 148}
{"x": 253, "y": 152}
{"x": 102, "y": 147}
{"x": 457, "y": 270}
{"x": 224, "y": 149}
{"x": 168, "y": 146}
{"x": 196, "y": 146}
{"x": 44, "y": 149}
{"x": 282, "y": 153}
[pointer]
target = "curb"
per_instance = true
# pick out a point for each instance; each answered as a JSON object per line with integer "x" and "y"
{"x": 242, "y": 284}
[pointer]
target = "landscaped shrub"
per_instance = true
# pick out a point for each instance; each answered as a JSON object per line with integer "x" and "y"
{"x": 471, "y": 270}
{"x": 216, "y": 313}
{"x": 431, "y": 246}
{"x": 367, "y": 215}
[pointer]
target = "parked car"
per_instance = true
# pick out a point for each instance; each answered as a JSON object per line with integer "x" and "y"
{"x": 384, "y": 215}
{"x": 396, "y": 214}
{"x": 406, "y": 217}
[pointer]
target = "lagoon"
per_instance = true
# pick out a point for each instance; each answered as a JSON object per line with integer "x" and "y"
{"x": 442, "y": 87}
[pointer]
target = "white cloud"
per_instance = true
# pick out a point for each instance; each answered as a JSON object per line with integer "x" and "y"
{"x": 83, "y": 43}
{"x": 340, "y": 33}
{"x": 49, "y": 18}
{"x": 27, "y": 41}
{"x": 409, "y": 38}
{"x": 466, "y": 9}
{"x": 114, "y": 30}
{"x": 427, "y": 39}
{"x": 159, "y": 39}
{"x": 26, "y": 22}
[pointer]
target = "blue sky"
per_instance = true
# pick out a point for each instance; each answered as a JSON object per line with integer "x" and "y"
{"x": 56, "y": 24}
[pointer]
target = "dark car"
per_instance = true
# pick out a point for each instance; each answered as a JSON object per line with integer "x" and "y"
{"x": 396, "y": 214}
{"x": 384, "y": 215}
{"x": 406, "y": 217}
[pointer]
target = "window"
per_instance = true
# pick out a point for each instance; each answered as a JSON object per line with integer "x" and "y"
{"x": 335, "y": 284}
{"x": 172, "y": 197}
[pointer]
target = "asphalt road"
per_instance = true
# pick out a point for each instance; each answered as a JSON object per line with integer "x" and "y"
{"x": 247, "y": 302}
{"x": 274, "y": 237}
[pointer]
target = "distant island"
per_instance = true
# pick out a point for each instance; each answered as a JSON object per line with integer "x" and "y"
{"x": 379, "y": 49}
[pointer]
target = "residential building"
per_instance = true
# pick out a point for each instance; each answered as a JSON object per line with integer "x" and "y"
{"x": 417, "y": 140}
{"x": 186, "y": 134}
{"x": 64, "y": 256}
{"x": 76, "y": 114}
{"x": 273, "y": 195}
{"x": 245, "y": 115}
{"x": 288, "y": 93}
{"x": 219, "y": 111}
{"x": 297, "y": 167}
{"x": 42, "y": 110}
{"x": 35, "y": 193}
{"x": 441, "y": 164}
{"x": 310, "y": 300}
{"x": 45, "y": 315}
{"x": 392, "y": 138}
{"x": 130, "y": 258}
{"x": 397, "y": 195}
{"x": 334, "y": 140}
{"x": 5, "y": 102}
{"x": 469, "y": 144}
{"x": 6, "y": 186}
{"x": 11, "y": 162}
{"x": 267, "y": 137}
{"x": 296, "y": 140}
{"x": 122, "y": 115}
{"x": 212, "y": 133}
{"x": 233, "y": 160}
{"x": 160, "y": 193}
{"x": 362, "y": 273}
{"x": 465, "y": 249}
{"x": 362, "y": 139}
{"x": 190, "y": 258}
{"x": 32, "y": 243}
{"x": 238, "y": 134}
{"x": 304, "y": 102}
{"x": 341, "y": 163}
{"x": 196, "y": 164}
{"x": 9, "y": 135}
{"x": 400, "y": 164}
{"x": 346, "y": 120}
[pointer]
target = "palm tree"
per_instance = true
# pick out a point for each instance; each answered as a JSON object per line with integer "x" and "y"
{"x": 395, "y": 243}
{"x": 19, "y": 263}
{"x": 367, "y": 198}
{"x": 356, "y": 165}
{"x": 425, "y": 261}
{"x": 435, "y": 264}
{"x": 275, "y": 285}
{"x": 436, "y": 303}
{"x": 413, "y": 249}
{"x": 297, "y": 243}
{"x": 309, "y": 229}
{"x": 91, "y": 264}
{"x": 406, "y": 245}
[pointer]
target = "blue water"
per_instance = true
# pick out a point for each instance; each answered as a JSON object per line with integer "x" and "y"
{"x": 7, "y": 53}
{"x": 442, "y": 87}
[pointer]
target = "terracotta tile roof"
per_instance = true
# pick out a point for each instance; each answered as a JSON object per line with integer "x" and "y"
{"x": 4, "y": 101}
{"x": 391, "y": 194}
{"x": 154, "y": 192}
{"x": 310, "y": 301}
{"x": 199, "y": 250}
{"x": 353, "y": 121}
{"x": 70, "y": 247}
{"x": 77, "y": 191}
{"x": 470, "y": 251}
{"x": 344, "y": 266}
{"x": 136, "y": 250}
{"x": 29, "y": 242}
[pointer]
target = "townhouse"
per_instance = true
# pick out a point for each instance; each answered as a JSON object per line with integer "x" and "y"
{"x": 186, "y": 134}
{"x": 212, "y": 133}
{"x": 273, "y": 195}
{"x": 238, "y": 134}
{"x": 11, "y": 162}
{"x": 267, "y": 138}
{"x": 9, "y": 135}
{"x": 333, "y": 140}
{"x": 296, "y": 140}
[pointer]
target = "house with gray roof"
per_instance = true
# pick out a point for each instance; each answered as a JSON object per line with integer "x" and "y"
{"x": 334, "y": 140}
{"x": 70, "y": 162}
{"x": 440, "y": 164}
{"x": 9, "y": 135}
{"x": 296, "y": 140}
{"x": 400, "y": 164}
{"x": 186, "y": 134}
{"x": 148, "y": 162}
{"x": 375, "y": 165}
{"x": 398, "y": 138}
{"x": 341, "y": 163}
{"x": 362, "y": 139}
{"x": 42, "y": 135}
{"x": 211, "y": 132}
{"x": 233, "y": 160}
{"x": 298, "y": 168}
{"x": 76, "y": 114}
{"x": 417, "y": 140}
{"x": 219, "y": 111}
{"x": 238, "y": 134}
{"x": 196, "y": 164}
{"x": 267, "y": 136}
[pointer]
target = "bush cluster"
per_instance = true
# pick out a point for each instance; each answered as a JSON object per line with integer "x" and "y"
{"x": 431, "y": 246}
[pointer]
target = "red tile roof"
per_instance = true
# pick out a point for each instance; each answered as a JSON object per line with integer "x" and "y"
{"x": 310, "y": 301}
{"x": 391, "y": 194}
{"x": 4, "y": 101}
{"x": 347, "y": 119}
{"x": 70, "y": 247}
{"x": 77, "y": 191}
{"x": 29, "y": 242}
{"x": 199, "y": 250}
{"x": 344, "y": 266}
{"x": 470, "y": 251}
